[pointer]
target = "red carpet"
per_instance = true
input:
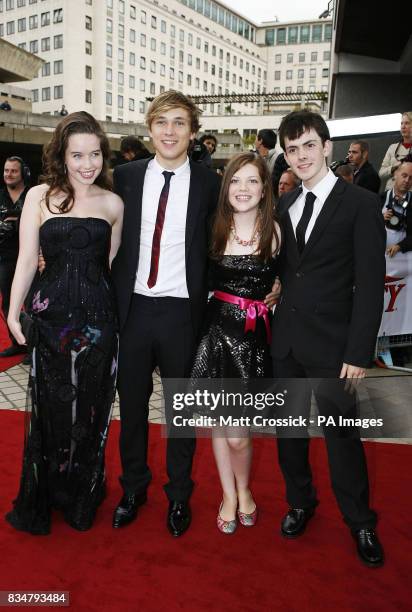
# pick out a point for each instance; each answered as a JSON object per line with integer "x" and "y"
{"x": 6, "y": 362}
{"x": 143, "y": 568}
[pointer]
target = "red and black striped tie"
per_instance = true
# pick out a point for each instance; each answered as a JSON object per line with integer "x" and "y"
{"x": 157, "y": 234}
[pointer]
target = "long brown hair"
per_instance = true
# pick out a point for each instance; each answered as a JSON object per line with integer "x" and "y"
{"x": 54, "y": 169}
{"x": 266, "y": 218}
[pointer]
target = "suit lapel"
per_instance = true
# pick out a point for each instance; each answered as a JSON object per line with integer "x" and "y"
{"x": 292, "y": 246}
{"x": 133, "y": 212}
{"x": 328, "y": 210}
{"x": 193, "y": 205}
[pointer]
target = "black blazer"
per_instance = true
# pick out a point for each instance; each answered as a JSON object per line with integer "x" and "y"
{"x": 203, "y": 194}
{"x": 332, "y": 297}
{"x": 368, "y": 178}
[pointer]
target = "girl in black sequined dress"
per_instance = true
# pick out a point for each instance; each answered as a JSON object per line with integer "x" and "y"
{"x": 235, "y": 344}
{"x": 76, "y": 221}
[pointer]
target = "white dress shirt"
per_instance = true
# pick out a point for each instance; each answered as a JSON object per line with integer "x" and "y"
{"x": 171, "y": 277}
{"x": 321, "y": 191}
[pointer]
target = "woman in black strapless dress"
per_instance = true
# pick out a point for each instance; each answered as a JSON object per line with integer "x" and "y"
{"x": 76, "y": 221}
{"x": 236, "y": 339}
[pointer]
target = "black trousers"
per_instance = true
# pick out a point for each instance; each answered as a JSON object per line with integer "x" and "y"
{"x": 7, "y": 269}
{"x": 347, "y": 462}
{"x": 158, "y": 332}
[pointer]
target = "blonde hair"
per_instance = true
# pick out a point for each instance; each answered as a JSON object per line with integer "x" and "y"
{"x": 174, "y": 99}
{"x": 408, "y": 114}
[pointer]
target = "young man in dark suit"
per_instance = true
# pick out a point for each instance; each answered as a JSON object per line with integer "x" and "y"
{"x": 332, "y": 272}
{"x": 161, "y": 285}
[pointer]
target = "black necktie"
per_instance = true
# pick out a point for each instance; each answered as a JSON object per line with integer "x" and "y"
{"x": 302, "y": 226}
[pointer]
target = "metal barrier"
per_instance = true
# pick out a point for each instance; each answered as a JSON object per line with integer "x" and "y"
{"x": 383, "y": 346}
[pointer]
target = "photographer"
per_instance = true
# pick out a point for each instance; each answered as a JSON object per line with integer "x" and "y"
{"x": 397, "y": 210}
{"x": 16, "y": 175}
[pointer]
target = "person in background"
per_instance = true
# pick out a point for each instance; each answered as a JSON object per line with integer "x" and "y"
{"x": 364, "y": 174}
{"x": 16, "y": 176}
{"x": 63, "y": 111}
{"x": 210, "y": 142}
{"x": 397, "y": 151}
{"x": 346, "y": 172}
{"x": 265, "y": 146}
{"x": 288, "y": 181}
{"x": 132, "y": 149}
{"x": 5, "y": 105}
{"x": 397, "y": 210}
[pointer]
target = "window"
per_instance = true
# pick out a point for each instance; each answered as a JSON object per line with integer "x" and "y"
{"x": 153, "y": 44}
{"x": 132, "y": 36}
{"x": 121, "y": 30}
{"x": 189, "y": 79}
{"x": 325, "y": 72}
{"x": 33, "y": 22}
{"x": 142, "y": 107}
{"x": 312, "y": 73}
{"x": 301, "y": 73}
{"x": 10, "y": 27}
{"x": 172, "y": 31}
{"x": 314, "y": 56}
{"x": 45, "y": 19}
{"x": 198, "y": 63}
{"x": 120, "y": 54}
{"x": 34, "y": 95}
{"x": 45, "y": 69}
{"x": 121, "y": 7}
{"x": 278, "y": 58}
{"x": 326, "y": 56}
{"x": 143, "y": 63}
{"x": 88, "y": 47}
{"x": 58, "y": 92}
{"x": 281, "y": 36}
{"x": 181, "y": 57}
{"x": 2, "y": 34}
{"x": 292, "y": 35}
{"x": 163, "y": 26}
{"x": 162, "y": 70}
{"x": 153, "y": 22}
{"x": 34, "y": 46}
{"x": 289, "y": 58}
{"x": 131, "y": 81}
{"x": 189, "y": 59}
{"x": 120, "y": 101}
{"x": 131, "y": 104}
{"x": 205, "y": 67}
{"x": 88, "y": 72}
{"x": 109, "y": 26}
{"x": 277, "y": 75}
{"x": 172, "y": 73}
{"x": 109, "y": 74}
{"x": 132, "y": 12}
{"x": 162, "y": 48}
{"x": 45, "y": 44}
{"x": 21, "y": 45}
{"x": 172, "y": 52}
{"x": 289, "y": 74}
{"x": 206, "y": 47}
{"x": 45, "y": 94}
{"x": 299, "y": 89}
{"x": 58, "y": 16}
{"x": 142, "y": 40}
{"x": 221, "y": 55}
{"x": 152, "y": 66}
{"x": 21, "y": 25}
{"x": 270, "y": 37}
{"x": 198, "y": 43}
{"x": 109, "y": 4}
{"x": 301, "y": 57}
{"x": 182, "y": 36}
{"x": 190, "y": 39}
{"x": 152, "y": 89}
{"x": 328, "y": 31}
{"x": 317, "y": 33}
{"x": 109, "y": 50}
{"x": 143, "y": 16}
{"x": 108, "y": 98}
{"x": 58, "y": 67}
{"x": 88, "y": 23}
{"x": 9, "y": 5}
{"x": 132, "y": 59}
{"x": 21, "y": 3}
{"x": 304, "y": 33}
{"x": 142, "y": 85}
{"x": 288, "y": 90}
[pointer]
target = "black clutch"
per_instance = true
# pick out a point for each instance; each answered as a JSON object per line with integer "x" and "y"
{"x": 29, "y": 330}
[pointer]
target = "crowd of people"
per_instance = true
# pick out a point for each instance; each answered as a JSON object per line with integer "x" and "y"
{"x": 125, "y": 274}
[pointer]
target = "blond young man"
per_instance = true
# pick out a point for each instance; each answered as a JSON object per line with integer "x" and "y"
{"x": 160, "y": 279}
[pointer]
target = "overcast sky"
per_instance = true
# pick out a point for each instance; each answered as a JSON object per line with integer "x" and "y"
{"x": 285, "y": 10}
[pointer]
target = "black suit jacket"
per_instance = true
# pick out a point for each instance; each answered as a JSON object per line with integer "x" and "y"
{"x": 332, "y": 297}
{"x": 203, "y": 194}
{"x": 368, "y": 178}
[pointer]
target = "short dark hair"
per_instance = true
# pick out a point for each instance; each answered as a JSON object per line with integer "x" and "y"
{"x": 268, "y": 138}
{"x": 364, "y": 146}
{"x": 296, "y": 123}
{"x": 208, "y": 137}
{"x": 131, "y": 143}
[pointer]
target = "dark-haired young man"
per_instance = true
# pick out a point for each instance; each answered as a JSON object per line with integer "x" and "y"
{"x": 364, "y": 174}
{"x": 332, "y": 272}
{"x": 265, "y": 144}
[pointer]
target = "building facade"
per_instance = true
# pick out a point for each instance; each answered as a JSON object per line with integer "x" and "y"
{"x": 108, "y": 56}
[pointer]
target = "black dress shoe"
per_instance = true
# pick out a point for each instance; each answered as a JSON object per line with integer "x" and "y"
{"x": 178, "y": 518}
{"x": 126, "y": 511}
{"x": 294, "y": 523}
{"x": 14, "y": 349}
{"x": 369, "y": 548}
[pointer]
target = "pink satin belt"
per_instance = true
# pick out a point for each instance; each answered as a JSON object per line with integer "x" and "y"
{"x": 254, "y": 309}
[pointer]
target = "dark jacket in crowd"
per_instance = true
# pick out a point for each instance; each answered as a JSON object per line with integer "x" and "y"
{"x": 367, "y": 177}
{"x": 9, "y": 231}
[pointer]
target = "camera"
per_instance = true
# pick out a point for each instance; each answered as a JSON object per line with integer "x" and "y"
{"x": 336, "y": 164}
{"x": 397, "y": 221}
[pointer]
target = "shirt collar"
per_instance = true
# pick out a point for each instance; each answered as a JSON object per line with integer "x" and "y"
{"x": 154, "y": 165}
{"x": 323, "y": 188}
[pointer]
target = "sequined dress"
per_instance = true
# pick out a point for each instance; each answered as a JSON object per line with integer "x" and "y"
{"x": 72, "y": 380}
{"x": 225, "y": 350}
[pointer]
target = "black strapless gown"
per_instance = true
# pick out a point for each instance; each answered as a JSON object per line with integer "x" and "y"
{"x": 72, "y": 379}
{"x": 225, "y": 350}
